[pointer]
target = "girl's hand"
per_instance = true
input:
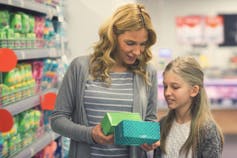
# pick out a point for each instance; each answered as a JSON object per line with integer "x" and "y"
{"x": 99, "y": 137}
{"x": 148, "y": 147}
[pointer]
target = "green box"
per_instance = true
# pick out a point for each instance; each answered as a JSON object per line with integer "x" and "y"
{"x": 135, "y": 133}
{"x": 112, "y": 119}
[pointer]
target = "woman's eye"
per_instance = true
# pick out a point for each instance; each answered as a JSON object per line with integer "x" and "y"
{"x": 130, "y": 43}
{"x": 143, "y": 44}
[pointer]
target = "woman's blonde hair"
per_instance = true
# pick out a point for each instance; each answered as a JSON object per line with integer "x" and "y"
{"x": 190, "y": 70}
{"x": 129, "y": 17}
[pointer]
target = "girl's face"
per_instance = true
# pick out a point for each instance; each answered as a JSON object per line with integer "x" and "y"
{"x": 177, "y": 92}
{"x": 131, "y": 44}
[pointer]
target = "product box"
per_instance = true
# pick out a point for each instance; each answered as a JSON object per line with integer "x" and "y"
{"x": 135, "y": 133}
{"x": 112, "y": 119}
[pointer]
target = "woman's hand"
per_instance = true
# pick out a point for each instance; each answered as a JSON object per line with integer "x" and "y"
{"x": 148, "y": 147}
{"x": 99, "y": 137}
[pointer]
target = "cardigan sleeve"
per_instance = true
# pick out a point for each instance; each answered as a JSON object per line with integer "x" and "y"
{"x": 61, "y": 119}
{"x": 211, "y": 144}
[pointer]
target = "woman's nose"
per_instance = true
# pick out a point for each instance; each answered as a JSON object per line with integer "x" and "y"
{"x": 137, "y": 50}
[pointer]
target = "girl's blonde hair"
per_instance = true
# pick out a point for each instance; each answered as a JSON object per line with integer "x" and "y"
{"x": 129, "y": 17}
{"x": 190, "y": 70}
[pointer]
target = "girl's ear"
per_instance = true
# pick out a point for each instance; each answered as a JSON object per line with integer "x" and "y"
{"x": 194, "y": 91}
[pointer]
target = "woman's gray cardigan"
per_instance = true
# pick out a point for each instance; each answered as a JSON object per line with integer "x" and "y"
{"x": 69, "y": 117}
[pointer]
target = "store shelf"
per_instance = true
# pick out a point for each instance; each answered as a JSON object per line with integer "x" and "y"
{"x": 213, "y": 82}
{"x": 221, "y": 82}
{"x": 25, "y": 104}
{"x": 32, "y": 6}
{"x": 25, "y": 54}
{"x": 52, "y": 12}
{"x": 37, "y": 145}
{"x": 213, "y": 107}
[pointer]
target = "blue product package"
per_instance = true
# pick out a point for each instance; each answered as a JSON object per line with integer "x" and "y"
{"x": 135, "y": 133}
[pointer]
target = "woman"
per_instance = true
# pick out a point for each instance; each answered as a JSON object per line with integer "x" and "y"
{"x": 188, "y": 130}
{"x": 116, "y": 77}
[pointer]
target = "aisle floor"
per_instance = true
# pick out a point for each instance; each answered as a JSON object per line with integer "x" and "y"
{"x": 230, "y": 146}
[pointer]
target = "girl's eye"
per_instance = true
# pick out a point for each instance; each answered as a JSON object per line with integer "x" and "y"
{"x": 175, "y": 87}
{"x": 165, "y": 86}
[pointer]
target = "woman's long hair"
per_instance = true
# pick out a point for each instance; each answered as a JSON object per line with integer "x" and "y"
{"x": 129, "y": 17}
{"x": 190, "y": 70}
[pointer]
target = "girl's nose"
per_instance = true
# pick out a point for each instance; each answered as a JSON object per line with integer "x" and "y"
{"x": 166, "y": 91}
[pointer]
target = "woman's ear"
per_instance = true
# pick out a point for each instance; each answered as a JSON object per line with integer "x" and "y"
{"x": 194, "y": 91}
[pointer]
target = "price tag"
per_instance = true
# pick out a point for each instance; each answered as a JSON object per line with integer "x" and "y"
{"x": 48, "y": 101}
{"x": 6, "y": 120}
{"x": 8, "y": 59}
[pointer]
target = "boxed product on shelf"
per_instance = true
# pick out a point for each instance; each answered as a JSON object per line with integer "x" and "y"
{"x": 23, "y": 133}
{"x": 135, "y": 133}
{"x": 17, "y": 84}
{"x": 49, "y": 78}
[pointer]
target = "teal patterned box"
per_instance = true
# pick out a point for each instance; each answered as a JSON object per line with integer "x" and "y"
{"x": 112, "y": 119}
{"x": 135, "y": 133}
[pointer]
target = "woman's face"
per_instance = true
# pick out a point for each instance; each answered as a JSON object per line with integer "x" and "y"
{"x": 177, "y": 92}
{"x": 131, "y": 44}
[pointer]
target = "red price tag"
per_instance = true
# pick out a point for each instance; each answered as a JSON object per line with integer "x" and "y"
{"x": 6, "y": 121}
{"x": 8, "y": 59}
{"x": 48, "y": 101}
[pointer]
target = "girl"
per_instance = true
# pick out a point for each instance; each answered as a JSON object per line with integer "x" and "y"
{"x": 188, "y": 130}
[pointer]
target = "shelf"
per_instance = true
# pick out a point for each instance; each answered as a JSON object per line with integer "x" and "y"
{"x": 221, "y": 82}
{"x": 25, "y": 104}
{"x": 25, "y": 54}
{"x": 39, "y": 144}
{"x": 213, "y": 107}
{"x": 212, "y": 82}
{"x": 32, "y": 6}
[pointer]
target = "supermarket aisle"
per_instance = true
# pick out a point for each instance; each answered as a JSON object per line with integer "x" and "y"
{"x": 230, "y": 146}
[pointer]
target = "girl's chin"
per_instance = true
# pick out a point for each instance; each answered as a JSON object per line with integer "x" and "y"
{"x": 171, "y": 106}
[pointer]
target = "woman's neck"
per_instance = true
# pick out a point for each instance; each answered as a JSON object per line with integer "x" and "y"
{"x": 119, "y": 68}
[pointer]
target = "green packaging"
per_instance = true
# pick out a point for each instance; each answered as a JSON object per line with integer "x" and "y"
{"x": 112, "y": 119}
